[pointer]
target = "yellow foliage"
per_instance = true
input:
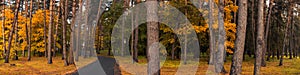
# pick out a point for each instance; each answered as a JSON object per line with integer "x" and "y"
{"x": 15, "y": 43}
{"x": 229, "y": 26}
{"x": 37, "y": 30}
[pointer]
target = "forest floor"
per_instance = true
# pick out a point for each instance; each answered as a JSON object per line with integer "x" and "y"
{"x": 290, "y": 67}
{"x": 37, "y": 66}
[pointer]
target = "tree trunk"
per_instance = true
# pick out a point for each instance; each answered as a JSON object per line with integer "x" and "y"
{"x": 268, "y": 45}
{"x": 221, "y": 40}
{"x": 136, "y": 36}
{"x": 260, "y": 37}
{"x": 236, "y": 66}
{"x": 26, "y": 27}
{"x": 72, "y": 44}
{"x": 211, "y": 33}
{"x": 50, "y": 33}
{"x": 132, "y": 35}
{"x": 152, "y": 38}
{"x": 263, "y": 63}
{"x": 64, "y": 17}
{"x": 173, "y": 48}
{"x": 289, "y": 14}
{"x": 77, "y": 52}
{"x": 253, "y": 24}
{"x": 45, "y": 29}
{"x": 15, "y": 20}
{"x": 55, "y": 38}
{"x": 3, "y": 30}
{"x": 29, "y": 29}
{"x": 185, "y": 39}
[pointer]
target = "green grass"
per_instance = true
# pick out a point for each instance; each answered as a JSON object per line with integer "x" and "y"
{"x": 290, "y": 67}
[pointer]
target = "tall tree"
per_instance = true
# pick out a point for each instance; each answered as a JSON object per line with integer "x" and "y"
{"x": 29, "y": 29}
{"x": 50, "y": 33}
{"x": 45, "y": 28}
{"x": 26, "y": 27}
{"x": 263, "y": 64}
{"x": 64, "y": 17}
{"x": 3, "y": 28}
{"x": 285, "y": 41}
{"x": 72, "y": 46}
{"x": 15, "y": 20}
{"x": 77, "y": 32}
{"x": 253, "y": 25}
{"x": 260, "y": 37}
{"x": 136, "y": 36}
{"x": 211, "y": 32}
{"x": 236, "y": 66}
{"x": 221, "y": 40}
{"x": 152, "y": 37}
{"x": 59, "y": 19}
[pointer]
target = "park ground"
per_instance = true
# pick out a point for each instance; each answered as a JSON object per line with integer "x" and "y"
{"x": 38, "y": 66}
{"x": 290, "y": 67}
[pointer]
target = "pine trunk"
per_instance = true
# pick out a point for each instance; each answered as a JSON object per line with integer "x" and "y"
{"x": 289, "y": 14}
{"x": 3, "y": 30}
{"x": 152, "y": 38}
{"x": 15, "y": 20}
{"x": 263, "y": 64}
{"x": 45, "y": 29}
{"x": 29, "y": 29}
{"x": 50, "y": 33}
{"x": 72, "y": 38}
{"x": 260, "y": 38}
{"x": 236, "y": 66}
{"x": 64, "y": 21}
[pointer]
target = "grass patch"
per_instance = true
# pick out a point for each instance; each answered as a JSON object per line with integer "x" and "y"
{"x": 290, "y": 67}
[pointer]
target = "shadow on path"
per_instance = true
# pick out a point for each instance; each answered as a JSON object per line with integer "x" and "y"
{"x": 108, "y": 64}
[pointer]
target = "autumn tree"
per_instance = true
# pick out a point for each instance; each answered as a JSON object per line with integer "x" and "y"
{"x": 3, "y": 28}
{"x": 12, "y": 31}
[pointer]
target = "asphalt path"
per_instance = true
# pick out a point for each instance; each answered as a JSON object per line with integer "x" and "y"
{"x": 108, "y": 65}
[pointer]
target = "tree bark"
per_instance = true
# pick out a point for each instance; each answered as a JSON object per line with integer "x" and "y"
{"x": 15, "y": 20}
{"x": 64, "y": 17}
{"x": 29, "y": 29}
{"x": 260, "y": 38}
{"x": 211, "y": 33}
{"x": 152, "y": 37}
{"x": 253, "y": 24}
{"x": 236, "y": 66}
{"x": 136, "y": 36}
{"x": 45, "y": 28}
{"x": 263, "y": 63}
{"x": 289, "y": 14}
{"x": 72, "y": 44}
{"x": 221, "y": 40}
{"x": 3, "y": 29}
{"x": 77, "y": 33}
{"x": 50, "y": 33}
{"x": 59, "y": 8}
{"x": 26, "y": 26}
